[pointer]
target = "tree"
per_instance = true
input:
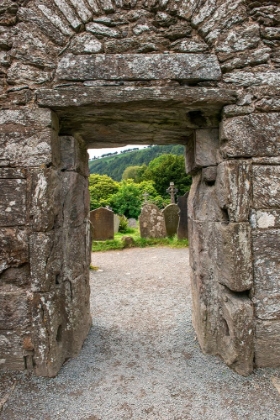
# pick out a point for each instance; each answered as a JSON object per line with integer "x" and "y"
{"x": 134, "y": 172}
{"x": 127, "y": 201}
{"x": 101, "y": 187}
{"x": 166, "y": 168}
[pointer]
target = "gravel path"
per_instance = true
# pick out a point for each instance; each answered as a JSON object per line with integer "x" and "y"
{"x": 141, "y": 360}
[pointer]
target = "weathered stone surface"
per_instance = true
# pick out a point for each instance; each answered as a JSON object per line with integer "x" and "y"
{"x": 12, "y": 354}
{"x": 267, "y": 343}
{"x": 266, "y": 186}
{"x": 233, "y": 186}
{"x": 13, "y": 247}
{"x": 50, "y": 333}
{"x": 268, "y": 105}
{"x": 236, "y": 110}
{"x": 102, "y": 30}
{"x": 116, "y": 223}
{"x": 182, "y": 202}
{"x": 73, "y": 155}
{"x": 203, "y": 203}
{"x": 192, "y": 67}
{"x": 223, "y": 320}
{"x": 19, "y": 276}
{"x": 239, "y": 39}
{"x": 84, "y": 96}
{"x": 13, "y": 308}
{"x": 44, "y": 207}
{"x": 46, "y": 258}
{"x": 102, "y": 221}
{"x": 190, "y": 46}
{"x": 206, "y": 144}
{"x": 151, "y": 222}
{"x": 128, "y": 241}
{"x": 266, "y": 269}
{"x": 203, "y": 151}
{"x": 247, "y": 78}
{"x": 13, "y": 202}
{"x": 266, "y": 218}
{"x": 26, "y": 136}
{"x": 251, "y": 135}
{"x": 171, "y": 217}
{"x": 241, "y": 60}
{"x": 232, "y": 255}
{"x": 85, "y": 44}
{"x": 131, "y": 222}
{"x": 236, "y": 345}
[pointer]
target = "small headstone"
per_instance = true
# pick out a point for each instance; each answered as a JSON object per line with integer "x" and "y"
{"x": 151, "y": 222}
{"x": 116, "y": 223}
{"x": 102, "y": 220}
{"x": 132, "y": 223}
{"x": 128, "y": 241}
{"x": 171, "y": 217}
{"x": 182, "y": 231}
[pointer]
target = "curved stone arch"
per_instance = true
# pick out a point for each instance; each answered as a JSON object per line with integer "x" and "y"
{"x": 144, "y": 59}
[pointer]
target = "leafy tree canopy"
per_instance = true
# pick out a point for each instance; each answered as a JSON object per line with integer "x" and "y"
{"x": 127, "y": 200}
{"x": 166, "y": 168}
{"x": 101, "y": 187}
{"x": 134, "y": 172}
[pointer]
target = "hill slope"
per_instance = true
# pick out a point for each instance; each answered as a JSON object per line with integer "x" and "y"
{"x": 114, "y": 164}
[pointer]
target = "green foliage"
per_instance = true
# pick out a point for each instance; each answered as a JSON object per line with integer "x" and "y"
{"x": 117, "y": 242}
{"x": 134, "y": 172}
{"x": 166, "y": 168}
{"x": 123, "y": 224}
{"x": 114, "y": 165}
{"x": 101, "y": 187}
{"x": 127, "y": 200}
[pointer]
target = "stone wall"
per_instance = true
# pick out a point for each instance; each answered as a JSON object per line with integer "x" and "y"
{"x": 44, "y": 242}
{"x": 80, "y": 73}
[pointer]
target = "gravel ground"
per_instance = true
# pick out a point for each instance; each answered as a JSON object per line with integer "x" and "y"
{"x": 141, "y": 359}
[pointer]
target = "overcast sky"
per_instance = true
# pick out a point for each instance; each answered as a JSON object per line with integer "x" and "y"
{"x": 100, "y": 152}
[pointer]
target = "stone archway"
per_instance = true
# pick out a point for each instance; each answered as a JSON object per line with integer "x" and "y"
{"x": 61, "y": 94}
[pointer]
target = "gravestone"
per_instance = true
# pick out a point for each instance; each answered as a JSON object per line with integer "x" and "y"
{"x": 116, "y": 223}
{"x": 171, "y": 217}
{"x": 132, "y": 223}
{"x": 102, "y": 220}
{"x": 151, "y": 222}
{"x": 182, "y": 231}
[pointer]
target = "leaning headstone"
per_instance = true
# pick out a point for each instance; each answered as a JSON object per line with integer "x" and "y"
{"x": 102, "y": 220}
{"x": 151, "y": 222}
{"x": 116, "y": 223}
{"x": 171, "y": 217}
{"x": 132, "y": 223}
{"x": 182, "y": 231}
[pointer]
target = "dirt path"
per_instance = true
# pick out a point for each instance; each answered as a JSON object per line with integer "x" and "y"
{"x": 141, "y": 360}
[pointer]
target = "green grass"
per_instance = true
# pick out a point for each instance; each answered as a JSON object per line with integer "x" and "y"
{"x": 117, "y": 243}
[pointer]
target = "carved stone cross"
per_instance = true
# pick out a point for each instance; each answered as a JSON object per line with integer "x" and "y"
{"x": 171, "y": 190}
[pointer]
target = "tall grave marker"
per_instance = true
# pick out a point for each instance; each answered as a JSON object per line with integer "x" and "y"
{"x": 102, "y": 220}
{"x": 171, "y": 217}
{"x": 151, "y": 222}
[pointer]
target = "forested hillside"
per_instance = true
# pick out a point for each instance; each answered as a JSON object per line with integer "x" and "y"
{"x": 115, "y": 164}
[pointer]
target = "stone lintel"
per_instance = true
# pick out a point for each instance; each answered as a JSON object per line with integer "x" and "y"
{"x": 77, "y": 96}
{"x": 185, "y": 67}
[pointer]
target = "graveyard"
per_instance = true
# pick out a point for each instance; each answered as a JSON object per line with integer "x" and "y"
{"x": 154, "y": 226}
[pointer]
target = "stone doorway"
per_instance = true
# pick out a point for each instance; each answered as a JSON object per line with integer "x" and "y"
{"x": 146, "y": 115}
{"x": 230, "y": 203}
